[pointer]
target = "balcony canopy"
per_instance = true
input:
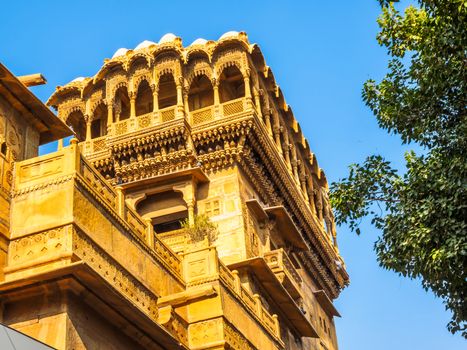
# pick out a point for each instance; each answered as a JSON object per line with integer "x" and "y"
{"x": 282, "y": 299}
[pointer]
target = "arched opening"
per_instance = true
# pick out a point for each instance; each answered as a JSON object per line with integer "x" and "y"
{"x": 77, "y": 123}
{"x": 99, "y": 121}
{"x": 144, "y": 102}
{"x": 122, "y": 104}
{"x": 167, "y": 95}
{"x": 201, "y": 93}
{"x": 231, "y": 84}
{"x": 167, "y": 210}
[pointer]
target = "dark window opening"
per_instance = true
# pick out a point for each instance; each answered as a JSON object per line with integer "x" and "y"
{"x": 168, "y": 226}
{"x": 123, "y": 103}
{"x": 167, "y": 210}
{"x": 144, "y": 101}
{"x": 3, "y": 148}
{"x": 201, "y": 93}
{"x": 99, "y": 121}
{"x": 95, "y": 129}
{"x": 167, "y": 95}
{"x": 231, "y": 84}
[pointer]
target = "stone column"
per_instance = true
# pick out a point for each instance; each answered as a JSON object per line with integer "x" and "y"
{"x": 185, "y": 101}
{"x": 287, "y": 155}
{"x": 155, "y": 98}
{"x": 311, "y": 195}
{"x": 246, "y": 81}
{"x": 303, "y": 185}
{"x": 110, "y": 113}
{"x": 267, "y": 120}
{"x": 88, "y": 128}
{"x": 258, "y": 104}
{"x": 132, "y": 105}
{"x": 215, "y": 89}
{"x": 191, "y": 212}
{"x": 277, "y": 137}
{"x": 179, "y": 97}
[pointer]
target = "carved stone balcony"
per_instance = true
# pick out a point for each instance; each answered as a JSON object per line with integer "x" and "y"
{"x": 281, "y": 298}
{"x": 284, "y": 270}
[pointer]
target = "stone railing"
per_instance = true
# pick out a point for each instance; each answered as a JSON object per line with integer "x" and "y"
{"x": 226, "y": 109}
{"x": 251, "y": 301}
{"x": 202, "y": 265}
{"x": 142, "y": 121}
{"x": 94, "y": 180}
{"x": 234, "y": 107}
{"x": 161, "y": 116}
{"x": 94, "y": 145}
{"x": 177, "y": 240}
{"x": 167, "y": 114}
{"x": 284, "y": 270}
{"x": 116, "y": 201}
{"x": 202, "y": 115}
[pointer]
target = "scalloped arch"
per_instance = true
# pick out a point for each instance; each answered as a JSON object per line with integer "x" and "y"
{"x": 72, "y": 109}
{"x": 197, "y": 69}
{"x": 106, "y": 67}
{"x": 229, "y": 42}
{"x": 140, "y": 78}
{"x": 133, "y": 60}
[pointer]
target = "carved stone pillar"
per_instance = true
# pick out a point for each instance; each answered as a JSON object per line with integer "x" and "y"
{"x": 110, "y": 115}
{"x": 319, "y": 204}
{"x": 311, "y": 195}
{"x": 88, "y": 127}
{"x": 302, "y": 179}
{"x": 267, "y": 120}
{"x": 132, "y": 105}
{"x": 191, "y": 213}
{"x": 286, "y": 148}
{"x": 155, "y": 98}
{"x": 215, "y": 89}
{"x": 179, "y": 97}
{"x": 258, "y": 104}
{"x": 295, "y": 164}
{"x": 185, "y": 101}
{"x": 118, "y": 110}
{"x": 188, "y": 191}
{"x": 277, "y": 137}
{"x": 246, "y": 81}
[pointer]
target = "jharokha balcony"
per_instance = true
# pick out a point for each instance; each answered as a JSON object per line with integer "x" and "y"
{"x": 158, "y": 119}
{"x": 284, "y": 270}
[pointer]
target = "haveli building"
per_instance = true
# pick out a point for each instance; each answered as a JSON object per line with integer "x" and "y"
{"x": 94, "y": 253}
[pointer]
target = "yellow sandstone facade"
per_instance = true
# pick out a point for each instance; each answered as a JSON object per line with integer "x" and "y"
{"x": 94, "y": 252}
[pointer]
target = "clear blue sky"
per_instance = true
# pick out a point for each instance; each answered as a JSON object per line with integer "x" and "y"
{"x": 321, "y": 52}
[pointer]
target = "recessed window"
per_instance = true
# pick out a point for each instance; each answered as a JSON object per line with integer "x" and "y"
{"x": 212, "y": 208}
{"x": 167, "y": 211}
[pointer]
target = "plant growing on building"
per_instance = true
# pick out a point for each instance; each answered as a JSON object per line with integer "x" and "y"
{"x": 202, "y": 228}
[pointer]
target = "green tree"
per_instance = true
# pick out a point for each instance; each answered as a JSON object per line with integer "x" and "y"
{"x": 421, "y": 213}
